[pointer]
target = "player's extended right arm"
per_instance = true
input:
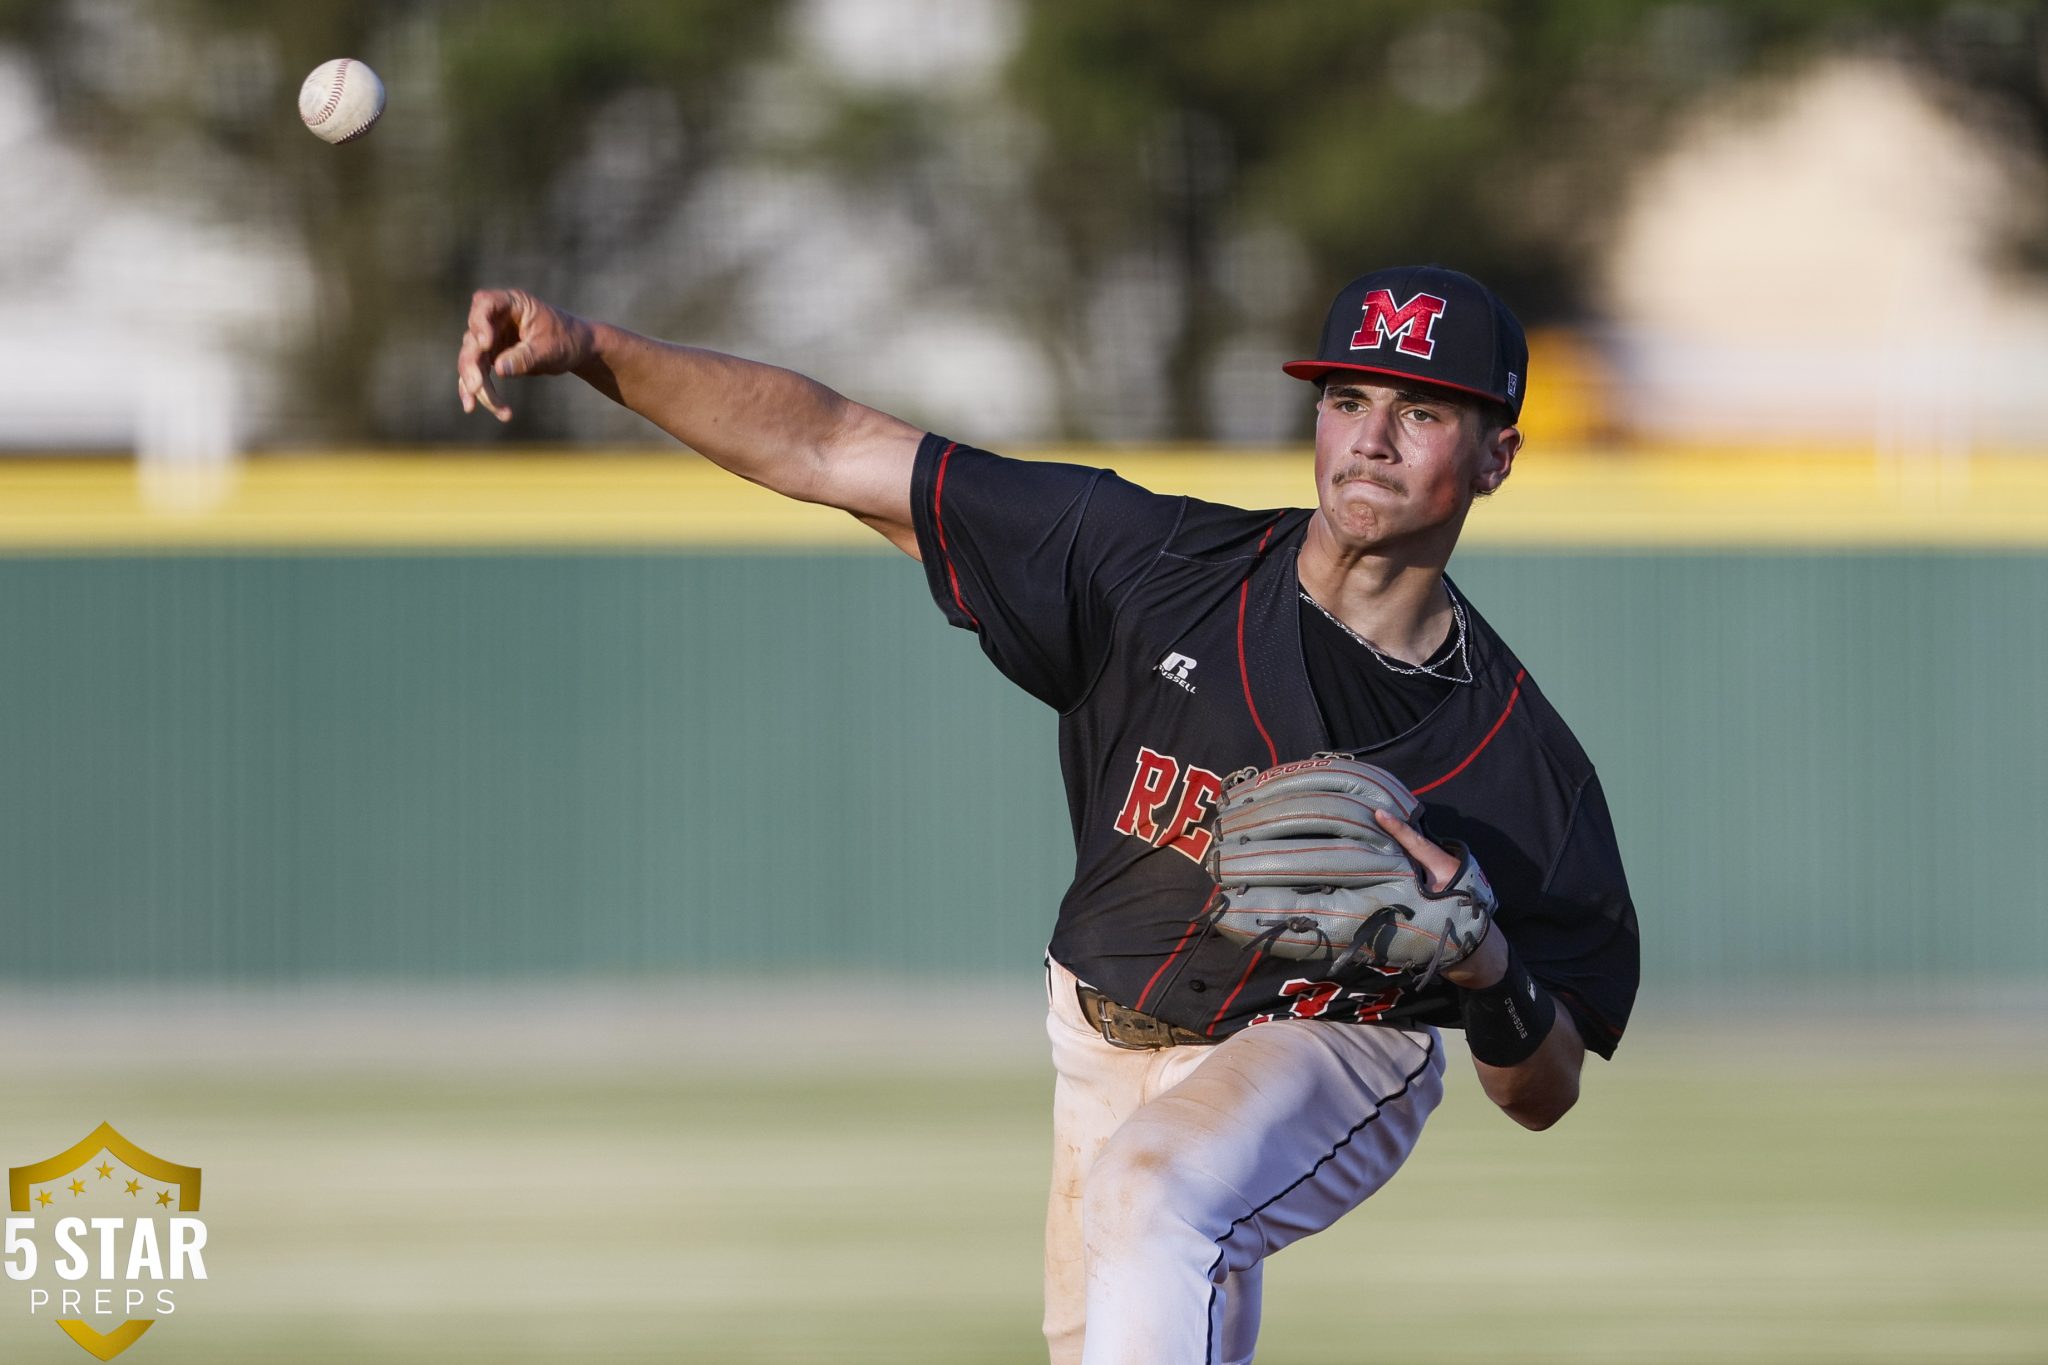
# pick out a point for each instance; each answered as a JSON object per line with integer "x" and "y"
{"x": 773, "y": 426}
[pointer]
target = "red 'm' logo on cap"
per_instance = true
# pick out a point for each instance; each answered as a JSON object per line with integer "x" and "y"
{"x": 1408, "y": 325}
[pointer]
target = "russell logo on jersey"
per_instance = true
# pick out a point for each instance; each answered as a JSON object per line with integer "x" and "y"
{"x": 1175, "y": 669}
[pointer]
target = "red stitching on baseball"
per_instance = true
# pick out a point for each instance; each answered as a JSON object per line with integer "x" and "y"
{"x": 333, "y": 93}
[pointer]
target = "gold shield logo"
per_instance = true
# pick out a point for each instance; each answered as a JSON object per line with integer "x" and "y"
{"x": 103, "y": 1229}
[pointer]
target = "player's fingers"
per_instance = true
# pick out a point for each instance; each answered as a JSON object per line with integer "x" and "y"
{"x": 508, "y": 334}
{"x": 490, "y": 313}
{"x": 472, "y": 356}
{"x": 1411, "y": 839}
{"x": 473, "y": 383}
{"x": 514, "y": 360}
{"x": 488, "y": 396}
{"x": 489, "y": 309}
{"x": 1430, "y": 857}
{"x": 494, "y": 323}
{"x": 473, "y": 386}
{"x": 468, "y": 371}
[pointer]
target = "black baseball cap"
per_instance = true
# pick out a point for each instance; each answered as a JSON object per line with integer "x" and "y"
{"x": 1425, "y": 322}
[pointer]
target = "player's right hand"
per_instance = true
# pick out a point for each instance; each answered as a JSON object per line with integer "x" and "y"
{"x": 511, "y": 333}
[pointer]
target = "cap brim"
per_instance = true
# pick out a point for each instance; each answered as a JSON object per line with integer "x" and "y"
{"x": 1313, "y": 370}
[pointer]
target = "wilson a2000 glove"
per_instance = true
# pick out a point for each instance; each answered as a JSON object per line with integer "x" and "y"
{"x": 1305, "y": 871}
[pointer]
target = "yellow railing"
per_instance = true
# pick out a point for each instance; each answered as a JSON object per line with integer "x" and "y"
{"x": 1669, "y": 498}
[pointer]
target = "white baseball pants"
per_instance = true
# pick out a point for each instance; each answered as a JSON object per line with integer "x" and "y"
{"x": 1177, "y": 1171}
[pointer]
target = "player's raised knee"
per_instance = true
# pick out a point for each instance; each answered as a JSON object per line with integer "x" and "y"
{"x": 1143, "y": 1191}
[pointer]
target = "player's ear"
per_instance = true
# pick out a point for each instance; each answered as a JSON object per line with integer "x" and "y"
{"x": 1496, "y": 459}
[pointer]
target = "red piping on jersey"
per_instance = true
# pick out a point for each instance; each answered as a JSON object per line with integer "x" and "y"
{"x": 939, "y": 520}
{"x": 1244, "y": 592}
{"x": 1505, "y": 712}
{"x": 1185, "y": 934}
{"x": 1231, "y": 999}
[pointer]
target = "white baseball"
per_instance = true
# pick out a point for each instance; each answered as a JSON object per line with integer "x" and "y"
{"x": 341, "y": 100}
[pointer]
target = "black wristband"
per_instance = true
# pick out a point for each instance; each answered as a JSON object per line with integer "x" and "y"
{"x": 1506, "y": 1022}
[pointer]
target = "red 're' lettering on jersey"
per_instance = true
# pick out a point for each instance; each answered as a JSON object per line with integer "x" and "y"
{"x": 1151, "y": 785}
{"x": 1183, "y": 831}
{"x": 1409, "y": 324}
{"x": 1149, "y": 788}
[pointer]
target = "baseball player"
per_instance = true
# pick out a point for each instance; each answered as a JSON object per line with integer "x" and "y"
{"x": 1216, "y": 1099}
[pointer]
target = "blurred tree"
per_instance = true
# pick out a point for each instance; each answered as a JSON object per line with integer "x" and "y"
{"x": 541, "y": 142}
{"x": 1156, "y": 181}
{"x": 1492, "y": 135}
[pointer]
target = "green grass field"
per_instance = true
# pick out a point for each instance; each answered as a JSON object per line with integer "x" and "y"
{"x": 650, "y": 1186}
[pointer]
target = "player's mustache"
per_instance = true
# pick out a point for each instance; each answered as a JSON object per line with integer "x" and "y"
{"x": 1365, "y": 474}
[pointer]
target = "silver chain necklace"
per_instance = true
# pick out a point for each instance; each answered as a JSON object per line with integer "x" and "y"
{"x": 1458, "y": 651}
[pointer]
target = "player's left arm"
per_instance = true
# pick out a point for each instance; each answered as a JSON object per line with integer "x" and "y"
{"x": 1536, "y": 1091}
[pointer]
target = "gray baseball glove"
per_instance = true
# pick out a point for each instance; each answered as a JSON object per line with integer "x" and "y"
{"x": 1306, "y": 872}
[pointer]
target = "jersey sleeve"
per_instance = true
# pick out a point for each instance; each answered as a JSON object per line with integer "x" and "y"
{"x": 1580, "y": 942}
{"x": 1034, "y": 558}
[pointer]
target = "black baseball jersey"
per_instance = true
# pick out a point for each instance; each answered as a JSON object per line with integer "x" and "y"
{"x": 1167, "y": 633}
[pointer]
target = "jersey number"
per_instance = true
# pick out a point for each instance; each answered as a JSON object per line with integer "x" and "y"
{"x": 1328, "y": 1000}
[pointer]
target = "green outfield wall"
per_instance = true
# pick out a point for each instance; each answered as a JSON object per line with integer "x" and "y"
{"x": 262, "y": 765}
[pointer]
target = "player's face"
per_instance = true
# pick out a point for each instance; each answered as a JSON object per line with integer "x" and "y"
{"x": 1397, "y": 459}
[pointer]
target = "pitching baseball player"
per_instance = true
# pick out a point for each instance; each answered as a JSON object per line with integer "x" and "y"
{"x": 1258, "y": 712}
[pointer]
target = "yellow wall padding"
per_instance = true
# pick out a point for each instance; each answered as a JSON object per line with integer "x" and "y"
{"x": 1706, "y": 498}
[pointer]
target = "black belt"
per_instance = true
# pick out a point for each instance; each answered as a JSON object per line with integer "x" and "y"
{"x": 1121, "y": 1026}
